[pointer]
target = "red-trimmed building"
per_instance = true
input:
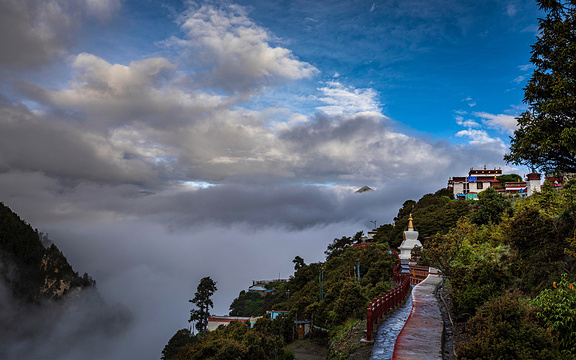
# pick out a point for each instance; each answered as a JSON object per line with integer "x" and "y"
{"x": 476, "y": 181}
{"x": 480, "y": 180}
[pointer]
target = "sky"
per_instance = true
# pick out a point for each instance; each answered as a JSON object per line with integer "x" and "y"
{"x": 158, "y": 142}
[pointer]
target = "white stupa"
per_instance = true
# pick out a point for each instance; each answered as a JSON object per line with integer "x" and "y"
{"x": 410, "y": 241}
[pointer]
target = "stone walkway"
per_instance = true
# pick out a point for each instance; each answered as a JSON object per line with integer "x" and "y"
{"x": 388, "y": 330}
{"x": 421, "y": 337}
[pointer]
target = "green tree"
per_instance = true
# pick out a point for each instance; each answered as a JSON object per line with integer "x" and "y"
{"x": 298, "y": 263}
{"x": 248, "y": 303}
{"x": 546, "y": 136}
{"x": 442, "y": 250}
{"x": 406, "y": 209}
{"x": 338, "y": 246}
{"x": 202, "y": 299}
{"x": 491, "y": 207}
{"x": 182, "y": 338}
{"x": 507, "y": 178}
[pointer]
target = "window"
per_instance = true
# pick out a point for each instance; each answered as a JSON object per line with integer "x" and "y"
{"x": 479, "y": 185}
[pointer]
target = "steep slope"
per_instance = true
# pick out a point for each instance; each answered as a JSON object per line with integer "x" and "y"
{"x": 47, "y": 310}
{"x": 31, "y": 271}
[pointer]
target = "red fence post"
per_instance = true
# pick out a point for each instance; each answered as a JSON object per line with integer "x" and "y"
{"x": 369, "y": 323}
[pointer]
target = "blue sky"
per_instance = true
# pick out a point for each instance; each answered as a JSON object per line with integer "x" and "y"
{"x": 157, "y": 134}
{"x": 425, "y": 60}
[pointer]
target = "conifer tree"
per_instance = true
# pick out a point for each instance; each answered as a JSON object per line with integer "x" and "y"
{"x": 203, "y": 300}
{"x": 546, "y": 137}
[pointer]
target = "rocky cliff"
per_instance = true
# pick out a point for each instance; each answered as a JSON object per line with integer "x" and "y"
{"x": 47, "y": 310}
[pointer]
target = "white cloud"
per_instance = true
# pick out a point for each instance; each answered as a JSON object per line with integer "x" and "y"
{"x": 150, "y": 91}
{"x": 511, "y": 10}
{"x": 468, "y": 123}
{"x": 102, "y": 9}
{"x": 519, "y": 79}
{"x": 470, "y": 102}
{"x": 347, "y": 100}
{"x": 233, "y": 53}
{"x": 526, "y": 67}
{"x": 500, "y": 122}
{"x": 481, "y": 137}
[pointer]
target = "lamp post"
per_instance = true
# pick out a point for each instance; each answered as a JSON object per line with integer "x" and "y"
{"x": 321, "y": 280}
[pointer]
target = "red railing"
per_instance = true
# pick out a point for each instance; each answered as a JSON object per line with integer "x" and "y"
{"x": 418, "y": 273}
{"x": 397, "y": 273}
{"x": 385, "y": 303}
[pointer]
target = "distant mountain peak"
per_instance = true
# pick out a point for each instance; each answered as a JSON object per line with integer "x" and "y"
{"x": 364, "y": 189}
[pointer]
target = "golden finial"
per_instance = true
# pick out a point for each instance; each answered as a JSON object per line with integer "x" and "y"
{"x": 410, "y": 226}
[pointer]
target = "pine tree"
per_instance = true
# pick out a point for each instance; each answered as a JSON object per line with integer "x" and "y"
{"x": 202, "y": 299}
{"x": 546, "y": 137}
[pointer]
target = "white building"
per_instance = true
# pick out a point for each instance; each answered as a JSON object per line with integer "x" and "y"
{"x": 479, "y": 180}
{"x": 476, "y": 181}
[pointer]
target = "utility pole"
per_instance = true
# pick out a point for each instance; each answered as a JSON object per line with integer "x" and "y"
{"x": 321, "y": 279}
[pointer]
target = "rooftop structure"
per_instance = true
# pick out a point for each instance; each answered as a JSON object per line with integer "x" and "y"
{"x": 468, "y": 187}
{"x": 475, "y": 182}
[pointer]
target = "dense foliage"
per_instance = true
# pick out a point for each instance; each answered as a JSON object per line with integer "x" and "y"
{"x": 557, "y": 311}
{"x": 509, "y": 263}
{"x": 546, "y": 136}
{"x": 490, "y": 208}
{"x": 182, "y": 338}
{"x": 31, "y": 271}
{"x": 432, "y": 214}
{"x": 328, "y": 304}
{"x": 506, "y": 328}
{"x": 526, "y": 247}
{"x": 237, "y": 341}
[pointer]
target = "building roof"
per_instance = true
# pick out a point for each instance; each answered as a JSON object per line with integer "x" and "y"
{"x": 485, "y": 171}
{"x": 228, "y": 318}
{"x": 258, "y": 288}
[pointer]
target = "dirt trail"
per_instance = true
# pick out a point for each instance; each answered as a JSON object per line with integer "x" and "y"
{"x": 307, "y": 350}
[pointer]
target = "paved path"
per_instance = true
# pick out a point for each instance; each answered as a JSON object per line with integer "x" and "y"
{"x": 421, "y": 337}
{"x": 388, "y": 330}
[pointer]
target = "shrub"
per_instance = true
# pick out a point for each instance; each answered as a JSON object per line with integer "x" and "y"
{"x": 473, "y": 285}
{"x": 557, "y": 311}
{"x": 506, "y": 328}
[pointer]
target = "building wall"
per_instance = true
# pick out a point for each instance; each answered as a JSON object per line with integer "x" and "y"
{"x": 533, "y": 186}
{"x": 458, "y": 188}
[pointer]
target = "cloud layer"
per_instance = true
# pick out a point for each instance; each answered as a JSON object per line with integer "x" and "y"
{"x": 208, "y": 156}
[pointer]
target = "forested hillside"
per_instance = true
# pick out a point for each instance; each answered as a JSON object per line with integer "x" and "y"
{"x": 47, "y": 310}
{"x": 327, "y": 293}
{"x": 510, "y": 266}
{"x": 508, "y": 261}
{"x": 329, "y": 304}
{"x": 31, "y": 271}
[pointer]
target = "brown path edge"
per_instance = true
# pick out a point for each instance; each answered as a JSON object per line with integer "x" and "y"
{"x": 421, "y": 336}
